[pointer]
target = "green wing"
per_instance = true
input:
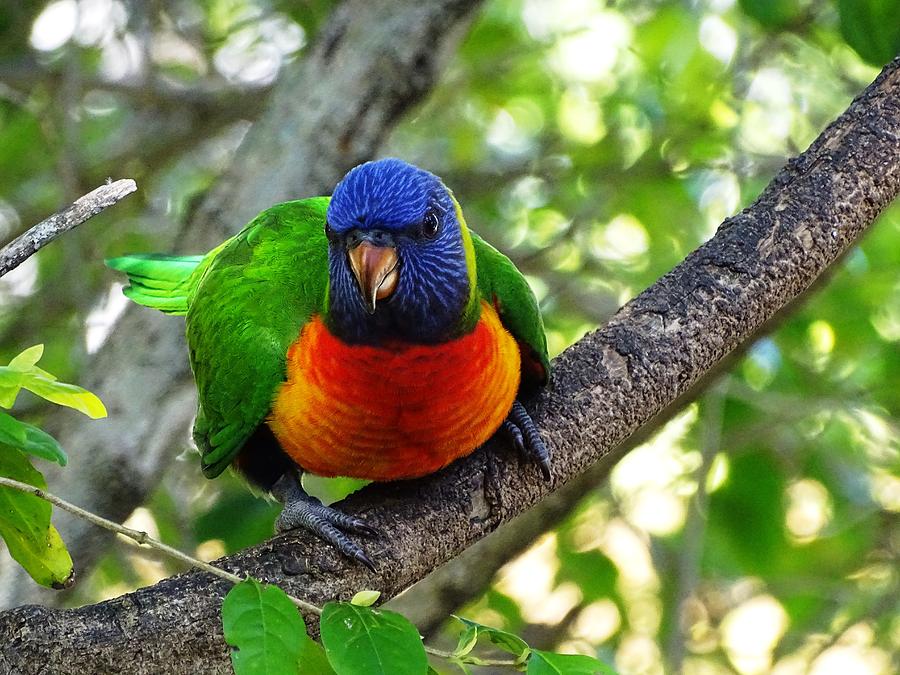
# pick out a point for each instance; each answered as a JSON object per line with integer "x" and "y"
{"x": 502, "y": 284}
{"x": 255, "y": 294}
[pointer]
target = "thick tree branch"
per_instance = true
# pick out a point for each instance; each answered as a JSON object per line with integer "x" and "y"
{"x": 604, "y": 388}
{"x": 428, "y": 603}
{"x": 330, "y": 111}
{"x": 30, "y": 242}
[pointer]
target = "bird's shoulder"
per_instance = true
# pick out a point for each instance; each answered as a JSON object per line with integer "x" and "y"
{"x": 501, "y": 284}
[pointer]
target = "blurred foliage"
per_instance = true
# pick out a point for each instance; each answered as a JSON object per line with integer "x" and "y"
{"x": 597, "y": 142}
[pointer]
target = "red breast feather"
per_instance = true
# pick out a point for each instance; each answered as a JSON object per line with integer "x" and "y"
{"x": 386, "y": 413}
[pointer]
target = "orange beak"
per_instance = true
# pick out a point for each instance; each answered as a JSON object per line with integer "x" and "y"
{"x": 376, "y": 270}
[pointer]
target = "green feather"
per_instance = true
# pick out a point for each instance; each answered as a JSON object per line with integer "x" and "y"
{"x": 255, "y": 295}
{"x": 502, "y": 284}
{"x": 163, "y": 282}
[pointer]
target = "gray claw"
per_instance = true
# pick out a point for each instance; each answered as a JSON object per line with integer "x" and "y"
{"x": 302, "y": 510}
{"x": 526, "y": 438}
{"x": 364, "y": 559}
{"x": 515, "y": 435}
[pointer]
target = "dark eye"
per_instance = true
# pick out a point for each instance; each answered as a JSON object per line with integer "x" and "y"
{"x": 431, "y": 225}
{"x": 328, "y": 231}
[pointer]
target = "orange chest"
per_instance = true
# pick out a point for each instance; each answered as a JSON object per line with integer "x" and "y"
{"x": 403, "y": 412}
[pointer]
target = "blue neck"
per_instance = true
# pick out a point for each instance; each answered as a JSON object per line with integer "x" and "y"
{"x": 431, "y": 304}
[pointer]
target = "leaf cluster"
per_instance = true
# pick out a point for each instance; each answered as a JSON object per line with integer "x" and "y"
{"x": 25, "y": 518}
{"x": 268, "y": 635}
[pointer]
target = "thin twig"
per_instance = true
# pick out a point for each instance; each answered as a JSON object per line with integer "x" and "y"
{"x": 26, "y": 245}
{"x": 141, "y": 538}
{"x": 481, "y": 662}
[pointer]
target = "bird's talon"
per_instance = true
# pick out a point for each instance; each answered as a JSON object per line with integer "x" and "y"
{"x": 361, "y": 557}
{"x": 546, "y": 471}
{"x": 526, "y": 439}
{"x": 515, "y": 436}
{"x": 366, "y": 529}
{"x": 302, "y": 510}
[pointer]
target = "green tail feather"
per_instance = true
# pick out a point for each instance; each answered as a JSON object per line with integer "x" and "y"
{"x": 159, "y": 281}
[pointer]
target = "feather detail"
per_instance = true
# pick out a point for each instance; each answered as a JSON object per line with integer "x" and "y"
{"x": 398, "y": 411}
{"x": 163, "y": 282}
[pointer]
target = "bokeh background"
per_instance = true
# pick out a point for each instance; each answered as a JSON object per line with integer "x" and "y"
{"x": 596, "y": 143}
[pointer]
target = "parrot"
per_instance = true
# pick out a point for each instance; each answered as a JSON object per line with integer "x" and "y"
{"x": 370, "y": 334}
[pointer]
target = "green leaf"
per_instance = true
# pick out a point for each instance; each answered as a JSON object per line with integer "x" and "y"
{"x": 772, "y": 13}
{"x": 313, "y": 660}
{"x": 548, "y": 663}
{"x": 25, "y": 524}
{"x": 366, "y": 641}
{"x": 365, "y": 598}
{"x": 872, "y": 28}
{"x": 467, "y": 641}
{"x": 30, "y": 514}
{"x": 8, "y": 395}
{"x": 47, "y": 561}
{"x": 331, "y": 490}
{"x": 68, "y": 395}
{"x": 10, "y": 385}
{"x": 22, "y": 372}
{"x": 27, "y": 359}
{"x": 30, "y": 439}
{"x": 265, "y": 628}
{"x": 503, "y": 639}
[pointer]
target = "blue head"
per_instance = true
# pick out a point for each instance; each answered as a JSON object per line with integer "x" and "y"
{"x": 397, "y": 257}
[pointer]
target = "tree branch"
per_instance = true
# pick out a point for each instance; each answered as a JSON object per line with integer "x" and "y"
{"x": 27, "y": 244}
{"x": 143, "y": 539}
{"x": 646, "y": 360}
{"x": 464, "y": 578}
{"x": 137, "y": 536}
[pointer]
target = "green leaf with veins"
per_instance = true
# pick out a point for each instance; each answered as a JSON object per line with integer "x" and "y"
{"x": 367, "y": 641}
{"x": 23, "y": 373}
{"x": 68, "y": 395}
{"x": 548, "y": 663}
{"x": 264, "y": 627}
{"x": 25, "y": 524}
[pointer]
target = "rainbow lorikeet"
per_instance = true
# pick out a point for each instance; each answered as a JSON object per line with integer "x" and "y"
{"x": 370, "y": 335}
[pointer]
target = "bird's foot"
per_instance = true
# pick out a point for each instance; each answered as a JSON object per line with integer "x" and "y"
{"x": 524, "y": 434}
{"x": 303, "y": 510}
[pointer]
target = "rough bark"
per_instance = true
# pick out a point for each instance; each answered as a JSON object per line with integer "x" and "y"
{"x": 604, "y": 388}
{"x": 465, "y": 577}
{"x": 331, "y": 111}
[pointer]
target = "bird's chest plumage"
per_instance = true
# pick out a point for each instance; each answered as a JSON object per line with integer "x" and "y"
{"x": 398, "y": 412}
